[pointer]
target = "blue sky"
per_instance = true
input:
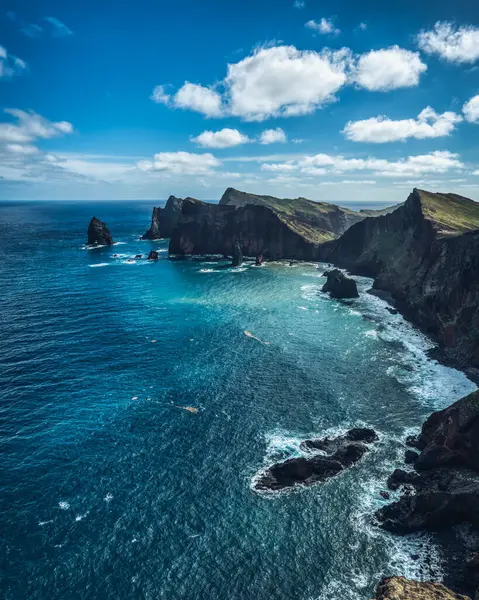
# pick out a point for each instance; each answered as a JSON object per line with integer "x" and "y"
{"x": 329, "y": 100}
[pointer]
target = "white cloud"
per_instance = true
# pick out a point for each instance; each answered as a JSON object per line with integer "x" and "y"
{"x": 181, "y": 163}
{"x": 324, "y": 26}
{"x": 279, "y": 167}
{"x": 10, "y": 65}
{"x": 411, "y": 166}
{"x": 31, "y": 126}
{"x": 471, "y": 110}
{"x": 388, "y": 69}
{"x": 198, "y": 98}
{"x": 24, "y": 149}
{"x": 159, "y": 95}
{"x": 299, "y": 4}
{"x": 225, "y": 138}
{"x": 58, "y": 29}
{"x": 378, "y": 130}
{"x": 476, "y": 172}
{"x": 363, "y": 26}
{"x": 454, "y": 44}
{"x": 272, "y": 136}
{"x": 284, "y": 81}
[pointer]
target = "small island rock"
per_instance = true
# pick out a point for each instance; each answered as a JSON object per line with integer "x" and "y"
{"x": 98, "y": 233}
{"x": 340, "y": 286}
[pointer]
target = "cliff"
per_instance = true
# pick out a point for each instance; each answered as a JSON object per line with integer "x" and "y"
{"x": 316, "y": 221}
{"x": 426, "y": 255}
{"x": 215, "y": 228}
{"x": 164, "y": 220}
{"x": 98, "y": 233}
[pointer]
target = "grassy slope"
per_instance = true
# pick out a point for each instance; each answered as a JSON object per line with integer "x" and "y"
{"x": 451, "y": 213}
{"x": 298, "y": 213}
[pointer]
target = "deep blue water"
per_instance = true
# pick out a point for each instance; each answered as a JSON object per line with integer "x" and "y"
{"x": 110, "y": 491}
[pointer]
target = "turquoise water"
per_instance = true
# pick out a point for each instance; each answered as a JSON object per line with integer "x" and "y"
{"x": 111, "y": 491}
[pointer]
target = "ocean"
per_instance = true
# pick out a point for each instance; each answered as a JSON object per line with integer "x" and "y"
{"x": 112, "y": 490}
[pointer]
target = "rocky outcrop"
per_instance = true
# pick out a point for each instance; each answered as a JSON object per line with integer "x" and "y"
{"x": 214, "y": 229}
{"x": 316, "y": 221}
{"x": 237, "y": 254}
{"x": 426, "y": 255}
{"x": 153, "y": 255}
{"x": 98, "y": 233}
{"x": 340, "y": 286}
{"x": 400, "y": 588}
{"x": 164, "y": 220}
{"x": 342, "y": 452}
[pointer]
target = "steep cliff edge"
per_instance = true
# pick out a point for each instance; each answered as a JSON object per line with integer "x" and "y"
{"x": 216, "y": 228}
{"x": 316, "y": 221}
{"x": 426, "y": 255}
{"x": 400, "y": 588}
{"x": 164, "y": 220}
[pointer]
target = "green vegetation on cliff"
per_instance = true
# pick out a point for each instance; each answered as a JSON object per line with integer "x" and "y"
{"x": 451, "y": 213}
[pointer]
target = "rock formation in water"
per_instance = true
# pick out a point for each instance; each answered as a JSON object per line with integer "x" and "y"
{"x": 426, "y": 255}
{"x": 164, "y": 220}
{"x": 215, "y": 228}
{"x": 153, "y": 255}
{"x": 400, "y": 588}
{"x": 342, "y": 452}
{"x": 340, "y": 286}
{"x": 98, "y": 233}
{"x": 237, "y": 254}
{"x": 443, "y": 490}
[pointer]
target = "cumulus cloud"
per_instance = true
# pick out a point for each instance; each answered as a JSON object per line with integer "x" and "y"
{"x": 454, "y": 44}
{"x": 10, "y": 65}
{"x": 284, "y": 81}
{"x": 31, "y": 126}
{"x": 272, "y": 136}
{"x": 191, "y": 96}
{"x": 388, "y": 69}
{"x": 225, "y": 138}
{"x": 411, "y": 166}
{"x": 299, "y": 4}
{"x": 181, "y": 163}
{"x": 324, "y": 26}
{"x": 471, "y": 110}
{"x": 57, "y": 28}
{"x": 200, "y": 99}
{"x": 378, "y": 130}
{"x": 363, "y": 26}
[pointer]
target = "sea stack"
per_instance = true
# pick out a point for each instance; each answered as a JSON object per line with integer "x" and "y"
{"x": 340, "y": 286}
{"x": 98, "y": 233}
{"x": 237, "y": 255}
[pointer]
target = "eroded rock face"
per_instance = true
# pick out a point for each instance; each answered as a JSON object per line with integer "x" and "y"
{"x": 164, "y": 220}
{"x": 400, "y": 588}
{"x": 213, "y": 229}
{"x": 153, "y": 255}
{"x": 426, "y": 255}
{"x": 343, "y": 452}
{"x": 237, "y": 254}
{"x": 98, "y": 233}
{"x": 340, "y": 286}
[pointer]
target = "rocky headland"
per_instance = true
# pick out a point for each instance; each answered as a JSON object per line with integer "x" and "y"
{"x": 98, "y": 233}
{"x": 165, "y": 220}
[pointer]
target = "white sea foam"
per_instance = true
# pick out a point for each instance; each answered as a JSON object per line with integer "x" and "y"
{"x": 42, "y": 523}
{"x": 129, "y": 261}
{"x": 108, "y": 498}
{"x": 303, "y": 307}
{"x": 207, "y": 270}
{"x": 81, "y": 517}
{"x": 100, "y": 265}
{"x": 64, "y": 505}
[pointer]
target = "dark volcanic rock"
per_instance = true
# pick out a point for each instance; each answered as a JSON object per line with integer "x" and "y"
{"x": 153, "y": 255}
{"x": 340, "y": 286}
{"x": 213, "y": 229}
{"x": 410, "y": 457}
{"x": 344, "y": 451}
{"x": 164, "y": 220}
{"x": 259, "y": 259}
{"x": 237, "y": 254}
{"x": 98, "y": 233}
{"x": 426, "y": 255}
